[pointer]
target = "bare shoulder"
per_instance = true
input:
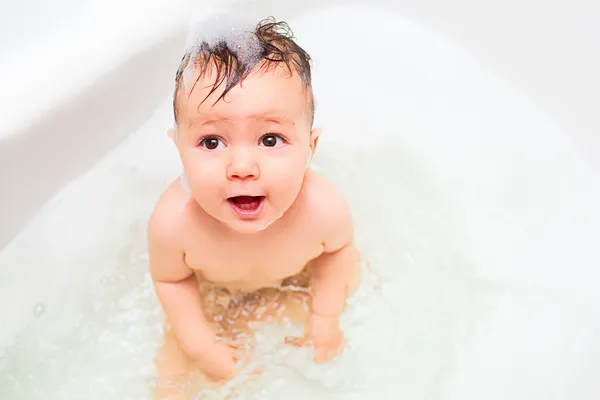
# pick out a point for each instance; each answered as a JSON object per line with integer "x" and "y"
{"x": 166, "y": 228}
{"x": 329, "y": 211}
{"x": 167, "y": 217}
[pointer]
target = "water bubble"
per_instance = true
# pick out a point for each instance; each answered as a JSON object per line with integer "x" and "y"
{"x": 39, "y": 309}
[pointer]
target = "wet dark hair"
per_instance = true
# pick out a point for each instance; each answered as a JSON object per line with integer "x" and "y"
{"x": 277, "y": 48}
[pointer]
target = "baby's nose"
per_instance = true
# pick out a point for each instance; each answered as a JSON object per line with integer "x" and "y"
{"x": 243, "y": 165}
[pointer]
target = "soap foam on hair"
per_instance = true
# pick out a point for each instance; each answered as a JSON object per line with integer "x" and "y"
{"x": 234, "y": 31}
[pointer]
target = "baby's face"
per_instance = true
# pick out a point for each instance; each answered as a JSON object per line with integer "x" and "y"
{"x": 245, "y": 156}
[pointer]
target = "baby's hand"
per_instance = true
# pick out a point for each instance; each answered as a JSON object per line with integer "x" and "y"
{"x": 218, "y": 363}
{"x": 326, "y": 336}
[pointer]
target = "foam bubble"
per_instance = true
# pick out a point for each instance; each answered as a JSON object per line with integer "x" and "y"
{"x": 39, "y": 309}
{"x": 235, "y": 31}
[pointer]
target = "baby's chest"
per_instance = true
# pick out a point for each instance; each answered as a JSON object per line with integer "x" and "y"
{"x": 259, "y": 265}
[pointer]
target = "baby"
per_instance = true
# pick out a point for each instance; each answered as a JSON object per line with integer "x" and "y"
{"x": 249, "y": 234}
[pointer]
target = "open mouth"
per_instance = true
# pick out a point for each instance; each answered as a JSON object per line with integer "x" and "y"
{"x": 247, "y": 206}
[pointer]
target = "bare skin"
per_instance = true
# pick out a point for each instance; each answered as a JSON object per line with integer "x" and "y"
{"x": 220, "y": 272}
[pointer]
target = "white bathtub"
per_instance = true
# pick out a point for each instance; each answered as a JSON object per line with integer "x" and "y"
{"x": 526, "y": 190}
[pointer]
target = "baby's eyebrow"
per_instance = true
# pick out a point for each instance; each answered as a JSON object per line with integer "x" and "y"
{"x": 201, "y": 122}
{"x": 273, "y": 117}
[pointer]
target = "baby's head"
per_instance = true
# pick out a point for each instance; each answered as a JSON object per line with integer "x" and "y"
{"x": 244, "y": 111}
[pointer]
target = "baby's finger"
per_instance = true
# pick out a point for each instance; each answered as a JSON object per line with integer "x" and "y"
{"x": 330, "y": 354}
{"x": 320, "y": 354}
{"x": 213, "y": 381}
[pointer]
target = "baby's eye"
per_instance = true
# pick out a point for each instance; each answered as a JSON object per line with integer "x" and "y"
{"x": 212, "y": 143}
{"x": 272, "y": 140}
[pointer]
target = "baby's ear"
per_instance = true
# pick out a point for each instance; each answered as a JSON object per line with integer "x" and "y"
{"x": 314, "y": 138}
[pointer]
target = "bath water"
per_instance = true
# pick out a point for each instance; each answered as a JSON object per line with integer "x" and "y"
{"x": 416, "y": 308}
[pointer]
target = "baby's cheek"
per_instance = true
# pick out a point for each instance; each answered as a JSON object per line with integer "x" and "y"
{"x": 209, "y": 175}
{"x": 206, "y": 189}
{"x": 287, "y": 191}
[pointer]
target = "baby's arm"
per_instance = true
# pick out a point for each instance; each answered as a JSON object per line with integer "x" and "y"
{"x": 179, "y": 294}
{"x": 333, "y": 272}
{"x": 334, "y": 269}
